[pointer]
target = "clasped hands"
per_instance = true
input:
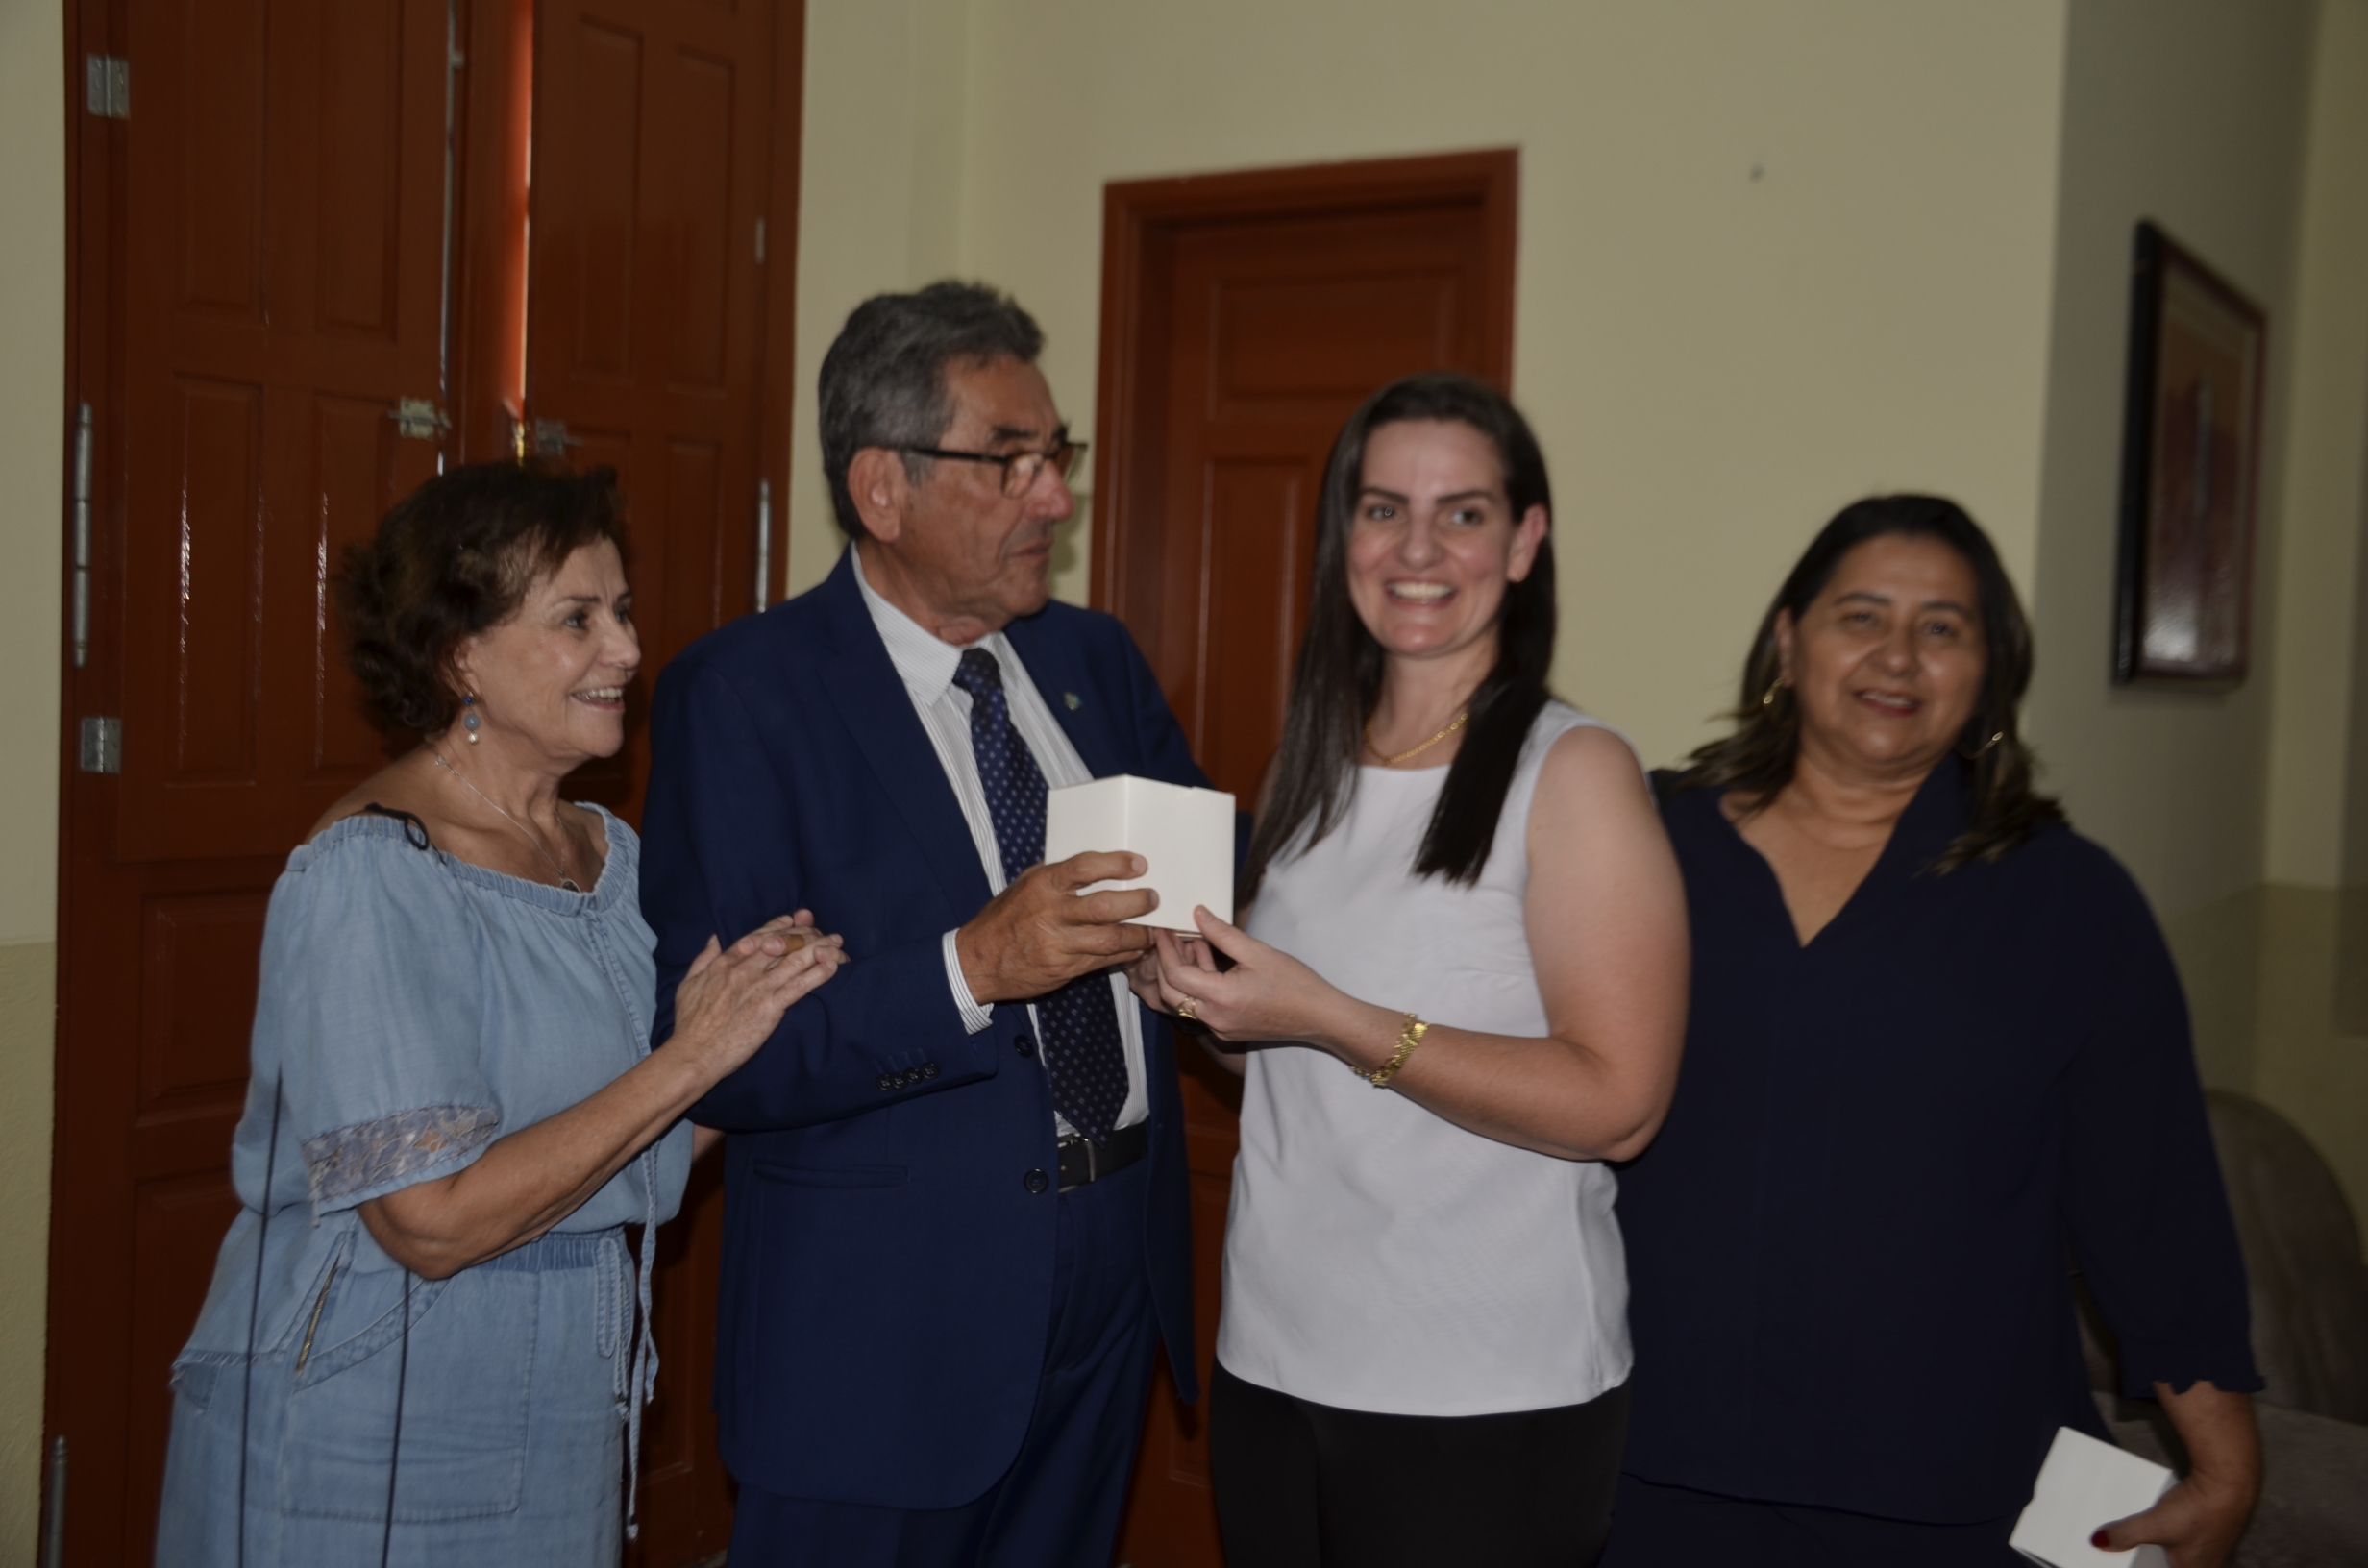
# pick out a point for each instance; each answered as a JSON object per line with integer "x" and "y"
{"x": 731, "y": 998}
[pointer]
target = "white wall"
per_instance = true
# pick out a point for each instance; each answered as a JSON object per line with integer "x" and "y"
{"x": 1774, "y": 256}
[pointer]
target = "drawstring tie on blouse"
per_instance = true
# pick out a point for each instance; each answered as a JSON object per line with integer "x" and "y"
{"x": 642, "y": 1384}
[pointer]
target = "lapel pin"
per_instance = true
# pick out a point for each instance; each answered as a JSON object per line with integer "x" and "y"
{"x": 1073, "y": 701}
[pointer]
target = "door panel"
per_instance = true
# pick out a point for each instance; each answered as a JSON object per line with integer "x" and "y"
{"x": 178, "y": 1223}
{"x": 645, "y": 325}
{"x": 295, "y": 155}
{"x": 1245, "y": 318}
{"x": 646, "y": 340}
{"x": 1280, "y": 328}
{"x": 1257, "y": 544}
{"x": 256, "y": 282}
{"x": 198, "y": 989}
{"x": 360, "y": 466}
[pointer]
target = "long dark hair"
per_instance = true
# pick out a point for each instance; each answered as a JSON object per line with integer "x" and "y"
{"x": 1756, "y": 760}
{"x": 1337, "y": 678}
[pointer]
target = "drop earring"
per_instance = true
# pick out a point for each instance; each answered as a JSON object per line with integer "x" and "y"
{"x": 468, "y": 717}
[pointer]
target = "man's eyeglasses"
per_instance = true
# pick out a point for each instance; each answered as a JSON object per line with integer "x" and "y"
{"x": 1020, "y": 468}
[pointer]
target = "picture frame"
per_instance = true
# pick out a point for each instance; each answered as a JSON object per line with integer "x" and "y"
{"x": 2191, "y": 458}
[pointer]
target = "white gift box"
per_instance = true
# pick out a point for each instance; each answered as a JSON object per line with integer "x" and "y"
{"x": 2085, "y": 1486}
{"x": 1184, "y": 835}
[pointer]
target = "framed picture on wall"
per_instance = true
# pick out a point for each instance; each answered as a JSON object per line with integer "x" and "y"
{"x": 2190, "y": 466}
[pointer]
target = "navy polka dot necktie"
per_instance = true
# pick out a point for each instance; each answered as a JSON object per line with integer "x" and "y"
{"x": 1079, "y": 1022}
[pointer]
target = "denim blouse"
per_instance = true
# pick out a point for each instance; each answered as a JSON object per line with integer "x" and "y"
{"x": 412, "y": 1008}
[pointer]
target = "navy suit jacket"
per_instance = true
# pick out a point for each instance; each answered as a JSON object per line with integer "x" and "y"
{"x": 889, "y": 1241}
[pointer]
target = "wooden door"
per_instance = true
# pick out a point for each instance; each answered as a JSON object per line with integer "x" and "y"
{"x": 646, "y": 351}
{"x": 261, "y": 257}
{"x": 645, "y": 328}
{"x": 1245, "y": 318}
{"x": 267, "y": 254}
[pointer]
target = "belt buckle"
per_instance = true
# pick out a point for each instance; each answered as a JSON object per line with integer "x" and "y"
{"x": 1082, "y": 1142}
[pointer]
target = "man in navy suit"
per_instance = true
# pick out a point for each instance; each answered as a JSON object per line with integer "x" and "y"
{"x": 957, "y": 1213}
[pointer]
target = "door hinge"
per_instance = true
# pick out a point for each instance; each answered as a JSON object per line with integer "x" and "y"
{"x": 419, "y": 419}
{"x": 760, "y": 243}
{"x": 107, "y": 85}
{"x": 102, "y": 746}
{"x": 53, "y": 1523}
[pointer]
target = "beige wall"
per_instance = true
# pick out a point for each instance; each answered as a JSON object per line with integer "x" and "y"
{"x": 32, "y": 380}
{"x": 1775, "y": 254}
{"x": 1773, "y": 257}
{"x": 2244, "y": 130}
{"x": 1714, "y": 360}
{"x": 31, "y": 457}
{"x": 2190, "y": 112}
{"x": 2316, "y": 727}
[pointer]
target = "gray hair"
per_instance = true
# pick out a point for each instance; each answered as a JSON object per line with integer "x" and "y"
{"x": 883, "y": 382}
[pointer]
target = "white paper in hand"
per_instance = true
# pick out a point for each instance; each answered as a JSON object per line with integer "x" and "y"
{"x": 1185, "y": 835}
{"x": 2084, "y": 1486}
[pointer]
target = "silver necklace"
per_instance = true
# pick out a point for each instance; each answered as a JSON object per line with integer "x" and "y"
{"x": 567, "y": 883}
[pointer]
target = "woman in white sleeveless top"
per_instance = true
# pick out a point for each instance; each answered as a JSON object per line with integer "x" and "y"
{"x": 1463, "y": 899}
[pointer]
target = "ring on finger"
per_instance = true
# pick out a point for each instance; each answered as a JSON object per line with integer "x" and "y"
{"x": 1184, "y": 1010}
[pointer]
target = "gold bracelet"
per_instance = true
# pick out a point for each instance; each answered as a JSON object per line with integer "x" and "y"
{"x": 1408, "y": 1038}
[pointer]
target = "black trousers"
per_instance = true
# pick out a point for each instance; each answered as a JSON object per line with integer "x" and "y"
{"x": 1307, "y": 1485}
{"x": 1673, "y": 1526}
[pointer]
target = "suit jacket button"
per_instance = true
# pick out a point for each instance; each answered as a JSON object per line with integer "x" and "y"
{"x": 928, "y": 1069}
{"x": 1035, "y": 1181}
{"x": 1023, "y": 1045}
{"x": 887, "y": 1082}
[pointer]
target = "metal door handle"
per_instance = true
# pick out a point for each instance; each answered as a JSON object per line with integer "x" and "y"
{"x": 419, "y": 419}
{"x": 550, "y": 438}
{"x": 82, "y": 536}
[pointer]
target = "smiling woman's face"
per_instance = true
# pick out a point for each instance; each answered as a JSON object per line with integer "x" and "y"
{"x": 1886, "y": 663}
{"x": 1434, "y": 542}
{"x": 551, "y": 679}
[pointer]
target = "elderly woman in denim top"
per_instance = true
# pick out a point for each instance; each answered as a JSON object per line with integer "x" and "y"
{"x": 420, "y": 1344}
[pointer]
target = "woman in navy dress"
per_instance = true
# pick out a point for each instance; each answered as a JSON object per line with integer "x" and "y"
{"x": 1937, "y": 1058}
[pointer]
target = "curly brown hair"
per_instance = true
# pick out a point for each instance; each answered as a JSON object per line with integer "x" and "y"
{"x": 454, "y": 558}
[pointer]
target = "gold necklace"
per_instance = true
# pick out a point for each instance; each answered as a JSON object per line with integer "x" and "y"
{"x": 1453, "y": 725}
{"x": 567, "y": 883}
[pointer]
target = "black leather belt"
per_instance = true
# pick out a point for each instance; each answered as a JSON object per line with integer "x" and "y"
{"x": 1082, "y": 1163}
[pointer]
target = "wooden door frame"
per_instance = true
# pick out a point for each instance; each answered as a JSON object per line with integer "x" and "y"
{"x": 86, "y": 807}
{"x": 1140, "y": 221}
{"x": 776, "y": 392}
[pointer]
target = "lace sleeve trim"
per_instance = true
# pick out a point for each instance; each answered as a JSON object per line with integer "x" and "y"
{"x": 370, "y": 1154}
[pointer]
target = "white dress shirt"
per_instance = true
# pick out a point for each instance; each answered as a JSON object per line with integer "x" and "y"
{"x": 925, "y": 663}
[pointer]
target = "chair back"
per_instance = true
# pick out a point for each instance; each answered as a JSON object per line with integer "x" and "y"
{"x": 2309, "y": 1285}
